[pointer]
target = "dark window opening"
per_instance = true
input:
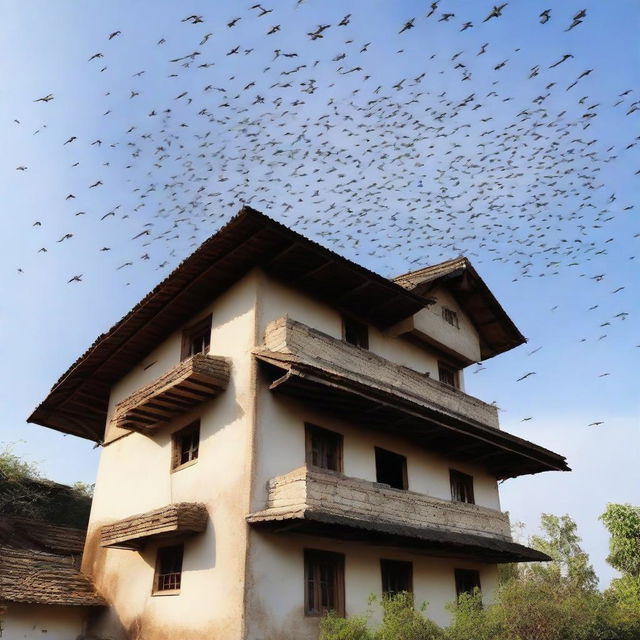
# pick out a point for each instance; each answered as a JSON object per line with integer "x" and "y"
{"x": 355, "y": 333}
{"x": 323, "y": 448}
{"x": 467, "y": 580}
{"x": 397, "y": 576}
{"x": 197, "y": 338}
{"x": 391, "y": 469}
{"x": 461, "y": 486}
{"x": 169, "y": 568}
{"x": 186, "y": 445}
{"x": 448, "y": 375}
{"x": 450, "y": 317}
{"x": 324, "y": 582}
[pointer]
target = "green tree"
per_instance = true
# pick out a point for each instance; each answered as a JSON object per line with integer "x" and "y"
{"x": 623, "y": 523}
{"x": 569, "y": 563}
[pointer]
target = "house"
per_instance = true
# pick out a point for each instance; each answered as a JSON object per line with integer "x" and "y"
{"x": 42, "y": 590}
{"x": 286, "y": 432}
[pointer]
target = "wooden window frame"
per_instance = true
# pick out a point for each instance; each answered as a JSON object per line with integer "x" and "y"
{"x": 405, "y": 477}
{"x": 312, "y": 430}
{"x": 361, "y": 329}
{"x": 462, "y": 576}
{"x": 450, "y": 317}
{"x": 387, "y": 566}
{"x": 456, "y": 476}
{"x": 158, "y": 589}
{"x": 176, "y": 446}
{"x": 336, "y": 560}
{"x": 190, "y": 332}
{"x": 450, "y": 369}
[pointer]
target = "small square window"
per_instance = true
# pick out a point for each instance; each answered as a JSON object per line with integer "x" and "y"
{"x": 355, "y": 332}
{"x": 467, "y": 580}
{"x": 461, "y": 486}
{"x": 196, "y": 338}
{"x": 324, "y": 582}
{"x": 186, "y": 445}
{"x": 323, "y": 448}
{"x": 397, "y": 576}
{"x": 448, "y": 375}
{"x": 451, "y": 317}
{"x": 391, "y": 469}
{"x": 168, "y": 568}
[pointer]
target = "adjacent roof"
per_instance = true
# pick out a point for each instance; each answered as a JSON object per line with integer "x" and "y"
{"x": 77, "y": 403}
{"x": 39, "y": 564}
{"x": 497, "y": 331}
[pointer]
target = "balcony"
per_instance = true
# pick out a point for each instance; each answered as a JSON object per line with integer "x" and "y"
{"x": 180, "y": 519}
{"x": 196, "y": 379}
{"x": 326, "y": 503}
{"x": 377, "y": 393}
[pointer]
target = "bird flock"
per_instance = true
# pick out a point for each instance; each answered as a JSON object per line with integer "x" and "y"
{"x": 396, "y": 165}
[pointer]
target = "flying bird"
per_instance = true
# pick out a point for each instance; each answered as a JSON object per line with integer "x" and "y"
{"x": 496, "y": 12}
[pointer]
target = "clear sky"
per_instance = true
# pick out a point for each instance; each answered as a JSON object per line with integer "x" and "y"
{"x": 395, "y": 149}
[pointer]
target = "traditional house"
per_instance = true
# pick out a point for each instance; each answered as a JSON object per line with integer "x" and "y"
{"x": 285, "y": 432}
{"x": 42, "y": 590}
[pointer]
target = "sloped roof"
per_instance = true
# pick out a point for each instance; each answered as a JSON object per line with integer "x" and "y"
{"x": 77, "y": 403}
{"x": 39, "y": 564}
{"x": 497, "y": 331}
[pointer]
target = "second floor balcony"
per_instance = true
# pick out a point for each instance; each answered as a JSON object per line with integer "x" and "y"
{"x": 377, "y": 393}
{"x": 327, "y": 503}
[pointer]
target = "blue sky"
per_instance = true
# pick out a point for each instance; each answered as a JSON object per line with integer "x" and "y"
{"x": 392, "y": 168}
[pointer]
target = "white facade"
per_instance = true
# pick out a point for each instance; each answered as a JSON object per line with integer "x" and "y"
{"x": 239, "y": 583}
{"x": 35, "y": 622}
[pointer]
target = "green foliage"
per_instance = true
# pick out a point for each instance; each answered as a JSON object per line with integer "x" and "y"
{"x": 556, "y": 600}
{"x": 623, "y": 523}
{"x": 570, "y": 564}
{"x": 83, "y": 488}
{"x": 333, "y": 627}
{"x": 24, "y": 493}
{"x": 400, "y": 621}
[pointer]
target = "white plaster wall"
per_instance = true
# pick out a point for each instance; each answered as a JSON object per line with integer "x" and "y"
{"x": 276, "y": 600}
{"x": 277, "y": 300}
{"x": 430, "y": 323}
{"x": 35, "y": 622}
{"x": 134, "y": 476}
{"x": 281, "y": 446}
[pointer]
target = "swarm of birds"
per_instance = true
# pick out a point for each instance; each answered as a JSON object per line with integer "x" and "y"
{"x": 434, "y": 157}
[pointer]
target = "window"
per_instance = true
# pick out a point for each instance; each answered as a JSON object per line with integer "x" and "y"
{"x": 196, "y": 338}
{"x": 461, "y": 486}
{"x": 168, "y": 568}
{"x": 391, "y": 469}
{"x": 448, "y": 375}
{"x": 324, "y": 448}
{"x": 355, "y": 333}
{"x": 397, "y": 576}
{"x": 466, "y": 580}
{"x": 324, "y": 582}
{"x": 186, "y": 444}
{"x": 450, "y": 317}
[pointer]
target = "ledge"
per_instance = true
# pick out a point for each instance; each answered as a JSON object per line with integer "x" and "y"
{"x": 370, "y": 390}
{"x": 191, "y": 382}
{"x": 331, "y": 504}
{"x": 180, "y": 519}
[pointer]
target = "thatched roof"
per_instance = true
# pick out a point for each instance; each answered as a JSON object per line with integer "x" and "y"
{"x": 37, "y": 577}
{"x": 39, "y": 564}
